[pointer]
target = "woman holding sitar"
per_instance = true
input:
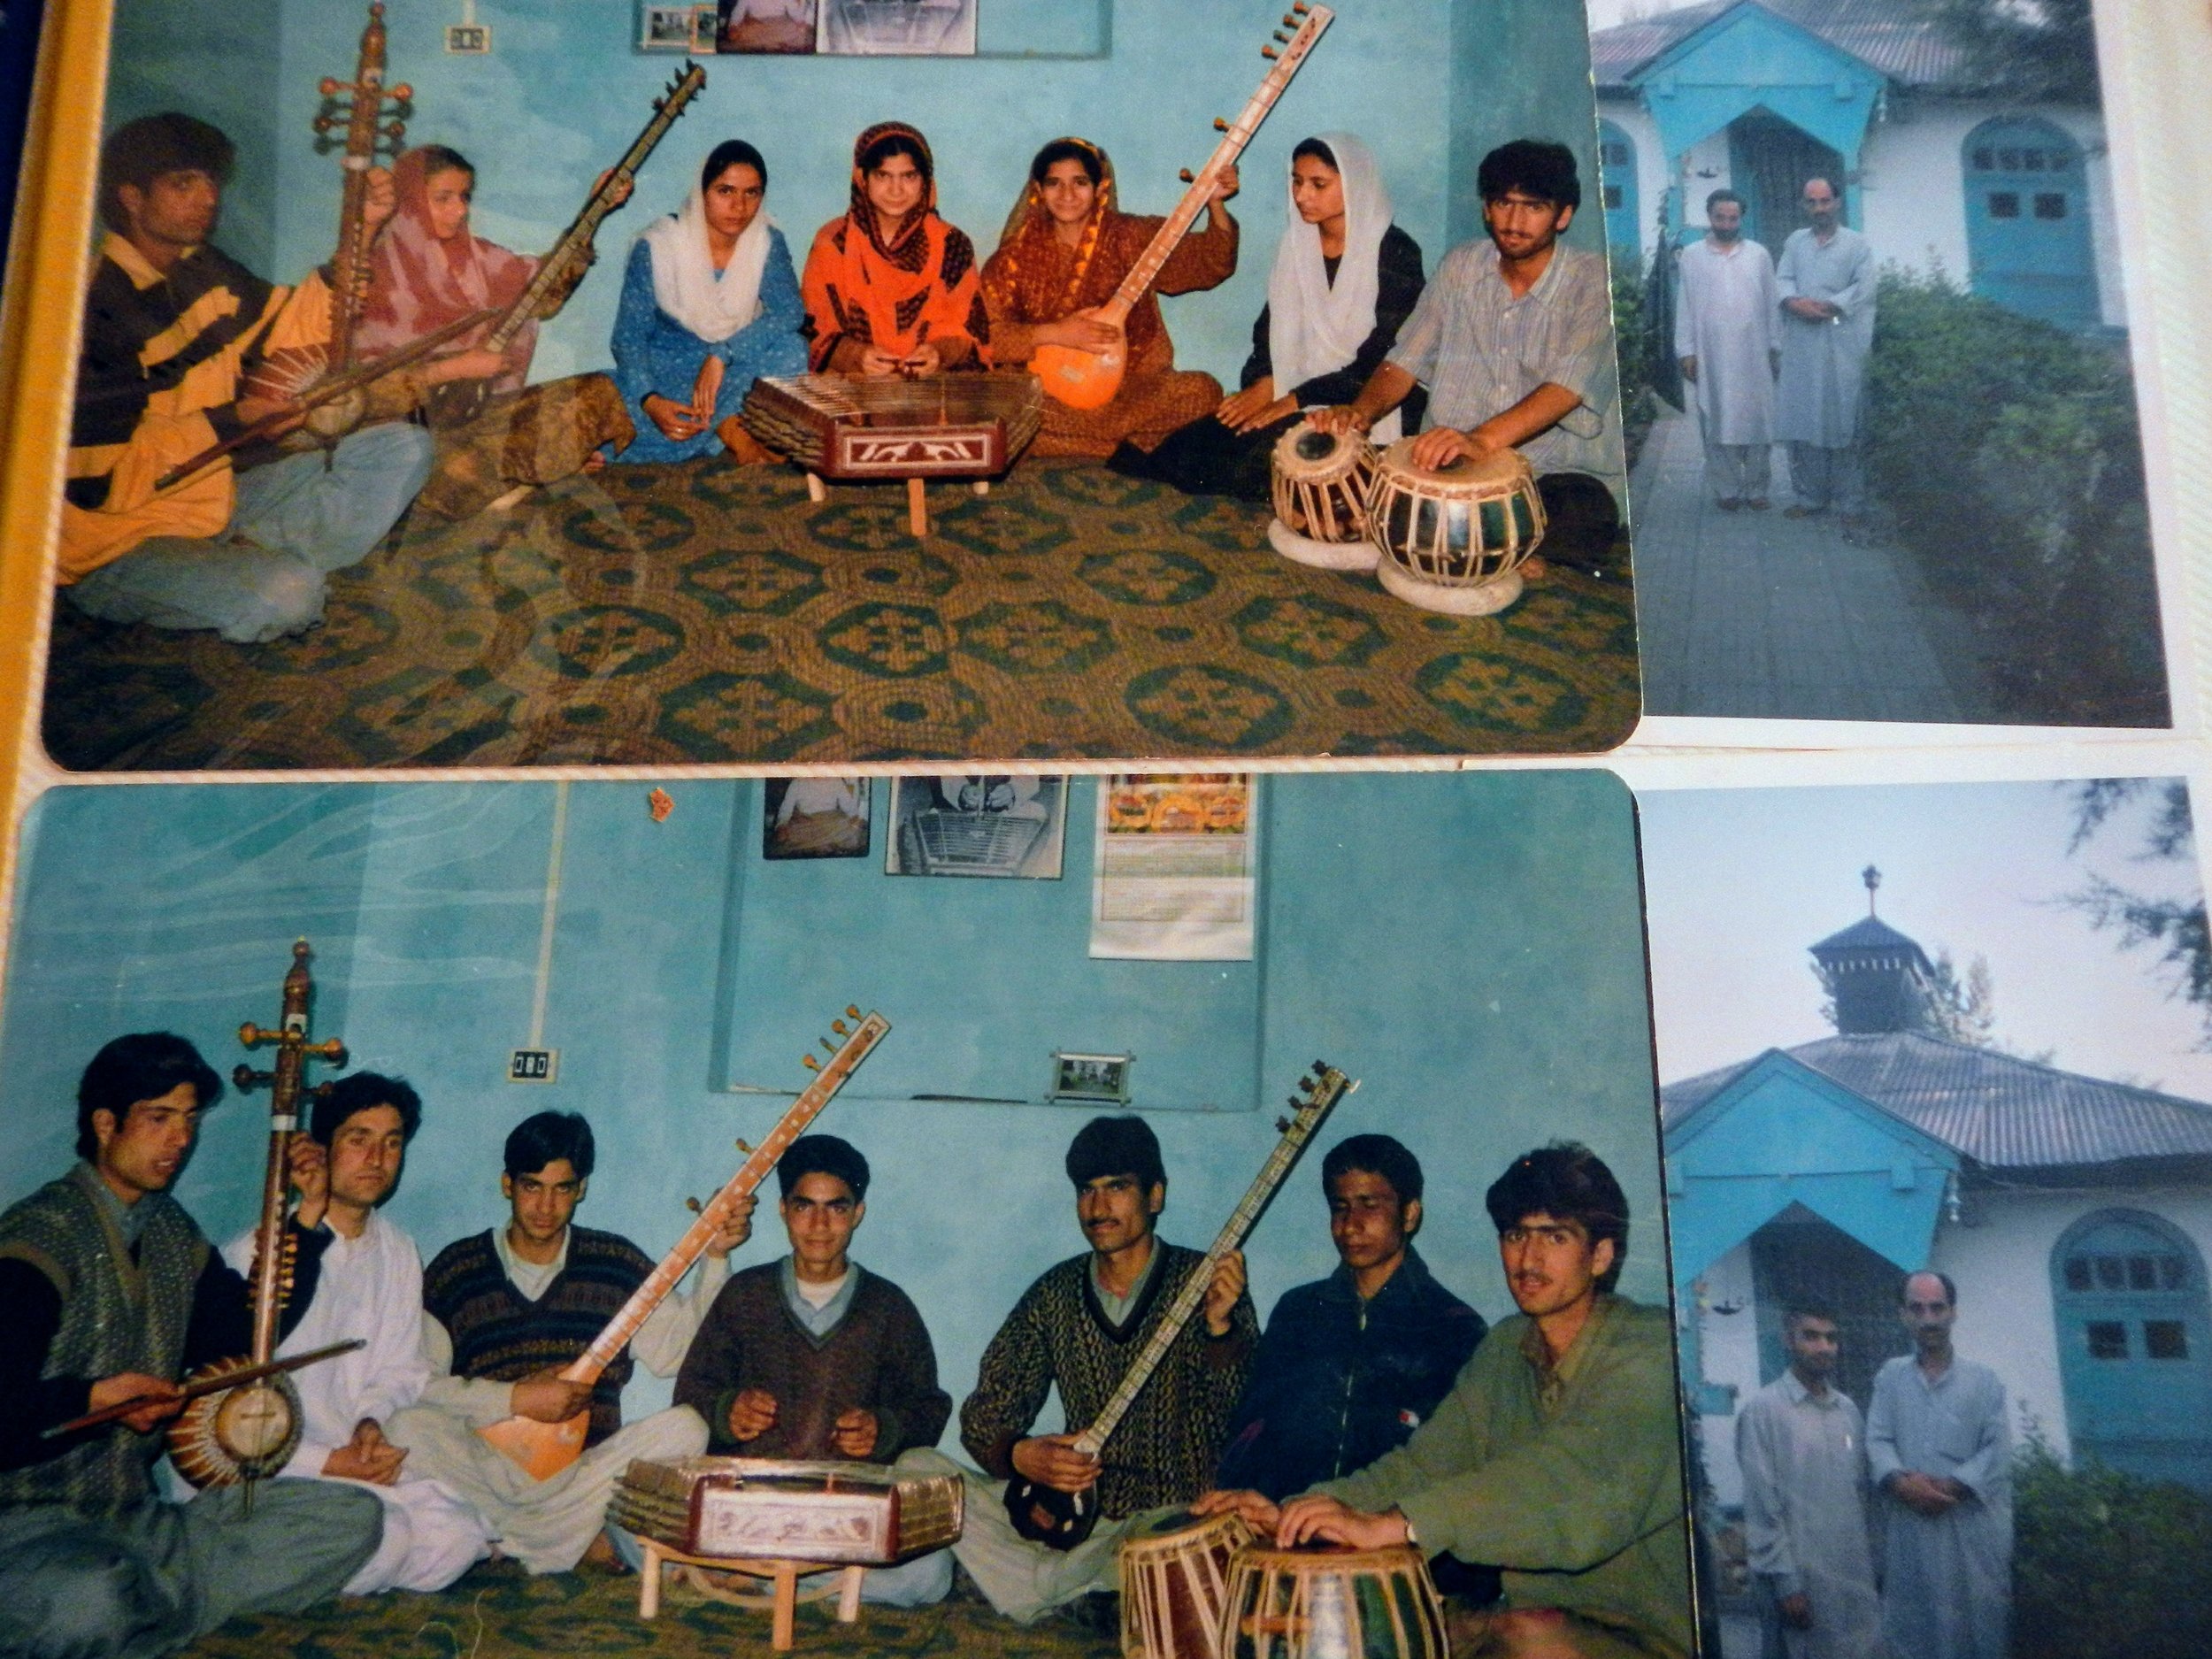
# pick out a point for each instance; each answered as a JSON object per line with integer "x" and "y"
{"x": 1066, "y": 248}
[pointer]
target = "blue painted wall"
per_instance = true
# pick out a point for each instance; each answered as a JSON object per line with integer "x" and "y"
{"x": 1467, "y": 945}
{"x": 1430, "y": 84}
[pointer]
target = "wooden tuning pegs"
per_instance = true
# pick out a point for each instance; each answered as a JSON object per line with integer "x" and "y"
{"x": 852, "y": 1010}
{"x": 1300, "y": 7}
{"x": 1290, "y": 19}
{"x": 403, "y": 92}
{"x": 828, "y": 1044}
{"x": 327, "y": 86}
{"x": 1220, "y": 126}
{"x": 1268, "y": 51}
{"x": 809, "y": 1062}
{"x": 839, "y": 1026}
{"x": 1184, "y": 175}
{"x": 1284, "y": 38}
{"x": 694, "y": 1206}
{"x": 743, "y": 1145}
{"x": 1282, "y": 1126}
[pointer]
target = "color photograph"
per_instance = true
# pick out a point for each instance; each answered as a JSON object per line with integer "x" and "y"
{"x": 1937, "y": 1096}
{"x": 1313, "y": 1251}
{"x": 1880, "y": 354}
{"x": 759, "y": 409}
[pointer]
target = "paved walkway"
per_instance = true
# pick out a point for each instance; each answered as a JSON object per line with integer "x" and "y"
{"x": 1757, "y": 616}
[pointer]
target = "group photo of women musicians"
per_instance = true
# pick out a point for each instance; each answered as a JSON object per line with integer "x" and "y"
{"x": 632, "y": 333}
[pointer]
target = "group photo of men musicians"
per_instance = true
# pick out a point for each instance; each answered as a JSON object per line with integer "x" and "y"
{"x": 581, "y": 395}
{"x": 1426, "y": 1340}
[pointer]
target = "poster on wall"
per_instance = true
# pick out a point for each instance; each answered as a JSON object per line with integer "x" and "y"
{"x": 894, "y": 29}
{"x": 972, "y": 825}
{"x": 767, "y": 26}
{"x": 1174, "y": 877}
{"x": 814, "y": 817}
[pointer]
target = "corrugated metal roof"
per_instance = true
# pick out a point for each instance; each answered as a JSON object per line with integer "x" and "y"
{"x": 1870, "y": 932}
{"x": 1891, "y": 36}
{"x": 2002, "y": 1112}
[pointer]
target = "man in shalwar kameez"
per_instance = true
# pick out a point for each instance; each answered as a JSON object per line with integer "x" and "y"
{"x": 370, "y": 1289}
{"x": 1827, "y": 279}
{"x": 1802, "y": 1450}
{"x": 1941, "y": 1456}
{"x": 1727, "y": 333}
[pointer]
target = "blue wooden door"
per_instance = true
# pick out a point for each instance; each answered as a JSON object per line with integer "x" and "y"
{"x": 1617, "y": 167}
{"x": 2135, "y": 1347}
{"x": 2027, "y": 221}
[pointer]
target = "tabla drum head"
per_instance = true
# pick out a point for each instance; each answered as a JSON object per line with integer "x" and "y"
{"x": 1318, "y": 482}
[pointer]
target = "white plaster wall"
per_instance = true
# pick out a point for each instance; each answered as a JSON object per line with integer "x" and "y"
{"x": 2002, "y": 1267}
{"x": 1729, "y": 1346}
{"x": 1651, "y": 163}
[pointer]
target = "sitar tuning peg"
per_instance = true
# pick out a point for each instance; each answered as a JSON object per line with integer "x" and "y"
{"x": 839, "y": 1026}
{"x": 1282, "y": 1126}
{"x": 828, "y": 1044}
{"x": 1284, "y": 38}
{"x": 1296, "y": 1104}
{"x": 328, "y": 86}
{"x": 1220, "y": 126}
{"x": 1300, "y": 7}
{"x": 1319, "y": 1066}
{"x": 694, "y": 1206}
{"x": 741, "y": 1144}
{"x": 852, "y": 1010}
{"x": 1184, "y": 175}
{"x": 402, "y": 93}
{"x": 1268, "y": 51}
{"x": 809, "y": 1062}
{"x": 1290, "y": 19}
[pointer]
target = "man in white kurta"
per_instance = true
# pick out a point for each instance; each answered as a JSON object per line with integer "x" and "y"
{"x": 1802, "y": 1450}
{"x": 1826, "y": 279}
{"x": 550, "y": 1525}
{"x": 1940, "y": 1454}
{"x": 1727, "y": 333}
{"x": 370, "y": 1288}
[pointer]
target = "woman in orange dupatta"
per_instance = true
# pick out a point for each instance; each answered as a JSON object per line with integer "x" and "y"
{"x": 891, "y": 288}
{"x": 1066, "y": 249}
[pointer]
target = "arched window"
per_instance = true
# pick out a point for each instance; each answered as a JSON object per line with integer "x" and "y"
{"x": 1617, "y": 166}
{"x": 2135, "y": 1344}
{"x": 2027, "y": 220}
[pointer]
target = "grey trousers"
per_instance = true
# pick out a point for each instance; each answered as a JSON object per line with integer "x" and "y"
{"x": 1738, "y": 472}
{"x": 1821, "y": 477}
{"x": 159, "y": 1576}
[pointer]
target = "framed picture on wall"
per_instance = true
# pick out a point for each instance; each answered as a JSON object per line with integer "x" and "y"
{"x": 766, "y": 25}
{"x": 1100, "y": 1078}
{"x": 814, "y": 817}
{"x": 896, "y": 29}
{"x": 973, "y": 824}
{"x": 666, "y": 28}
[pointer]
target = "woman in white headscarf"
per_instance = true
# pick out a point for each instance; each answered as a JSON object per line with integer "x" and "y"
{"x": 1345, "y": 281}
{"x": 709, "y": 303}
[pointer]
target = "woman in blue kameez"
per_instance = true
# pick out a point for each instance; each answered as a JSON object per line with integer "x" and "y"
{"x": 710, "y": 302}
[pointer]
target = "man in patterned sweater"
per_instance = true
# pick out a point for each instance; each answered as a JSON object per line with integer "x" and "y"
{"x": 1079, "y": 1328}
{"x": 816, "y": 1357}
{"x": 508, "y": 1309}
{"x": 111, "y": 1293}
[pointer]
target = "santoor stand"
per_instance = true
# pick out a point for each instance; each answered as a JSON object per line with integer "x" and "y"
{"x": 782, "y": 1599}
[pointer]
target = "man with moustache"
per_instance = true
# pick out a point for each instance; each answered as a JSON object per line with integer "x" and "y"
{"x": 1557, "y": 1453}
{"x": 370, "y": 1288}
{"x": 1514, "y": 340}
{"x": 814, "y": 1356}
{"x": 1727, "y": 333}
{"x": 1827, "y": 281}
{"x": 1802, "y": 1450}
{"x": 1940, "y": 1452}
{"x": 1078, "y": 1328}
{"x": 112, "y": 1293}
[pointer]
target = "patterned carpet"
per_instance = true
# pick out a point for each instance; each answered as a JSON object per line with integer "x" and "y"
{"x": 698, "y": 613}
{"x": 497, "y": 1610}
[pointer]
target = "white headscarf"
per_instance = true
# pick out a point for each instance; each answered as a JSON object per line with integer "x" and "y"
{"x": 1313, "y": 325}
{"x": 714, "y": 305}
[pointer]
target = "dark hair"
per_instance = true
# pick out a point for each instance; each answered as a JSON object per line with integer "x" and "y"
{"x": 1717, "y": 196}
{"x": 1377, "y": 1155}
{"x": 1568, "y": 1182}
{"x": 1534, "y": 167}
{"x": 144, "y": 1065}
{"x": 1950, "y": 1290}
{"x": 438, "y": 158}
{"x": 138, "y": 152}
{"x": 896, "y": 144}
{"x": 365, "y": 1091}
{"x": 1807, "y": 1308}
{"x": 1066, "y": 149}
{"x": 1318, "y": 151}
{"x": 548, "y": 1138}
{"x": 823, "y": 1154}
{"x": 732, "y": 153}
{"x": 1115, "y": 1146}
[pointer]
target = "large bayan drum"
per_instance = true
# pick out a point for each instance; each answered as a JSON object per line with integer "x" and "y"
{"x": 1319, "y": 481}
{"x": 1175, "y": 1584}
{"x": 1332, "y": 1604}
{"x": 1453, "y": 538}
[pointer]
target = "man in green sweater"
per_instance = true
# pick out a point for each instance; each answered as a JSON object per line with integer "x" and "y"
{"x": 1557, "y": 1455}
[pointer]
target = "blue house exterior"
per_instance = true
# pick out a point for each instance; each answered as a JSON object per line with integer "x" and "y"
{"x": 1942, "y": 173}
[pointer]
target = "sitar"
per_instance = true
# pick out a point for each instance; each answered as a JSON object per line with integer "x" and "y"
{"x": 1063, "y": 1519}
{"x": 1089, "y": 380}
{"x": 543, "y": 1449}
{"x": 247, "y": 1431}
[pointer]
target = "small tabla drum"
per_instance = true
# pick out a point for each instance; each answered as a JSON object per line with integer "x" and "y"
{"x": 1175, "y": 1583}
{"x": 1453, "y": 538}
{"x": 1332, "y": 1604}
{"x": 1320, "y": 482}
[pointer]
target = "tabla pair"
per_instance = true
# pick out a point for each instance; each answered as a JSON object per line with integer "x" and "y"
{"x": 1205, "y": 1589}
{"x": 1449, "y": 539}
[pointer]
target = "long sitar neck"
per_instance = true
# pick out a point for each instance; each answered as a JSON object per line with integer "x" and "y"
{"x": 552, "y": 268}
{"x": 587, "y": 1366}
{"x": 1332, "y": 1086}
{"x": 1234, "y": 137}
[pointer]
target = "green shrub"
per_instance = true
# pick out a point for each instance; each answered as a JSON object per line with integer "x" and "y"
{"x": 2107, "y": 1565}
{"x": 2009, "y": 452}
{"x": 1631, "y": 336}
